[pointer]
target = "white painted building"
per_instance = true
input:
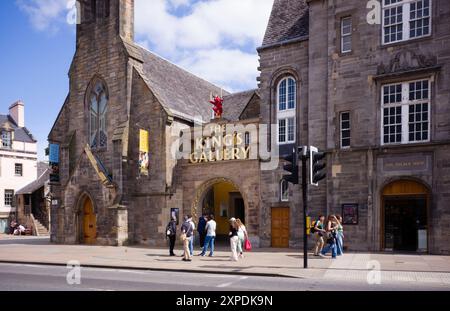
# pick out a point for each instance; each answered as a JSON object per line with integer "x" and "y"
{"x": 18, "y": 160}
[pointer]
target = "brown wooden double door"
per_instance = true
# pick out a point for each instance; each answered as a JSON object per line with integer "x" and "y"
{"x": 280, "y": 227}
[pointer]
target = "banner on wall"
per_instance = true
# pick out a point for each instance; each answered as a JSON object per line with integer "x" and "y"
{"x": 54, "y": 162}
{"x": 144, "y": 152}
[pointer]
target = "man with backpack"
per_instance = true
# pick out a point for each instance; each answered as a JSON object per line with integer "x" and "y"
{"x": 187, "y": 231}
{"x": 319, "y": 230}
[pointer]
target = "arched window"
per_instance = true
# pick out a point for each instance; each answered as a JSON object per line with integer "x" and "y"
{"x": 98, "y": 106}
{"x": 286, "y": 110}
{"x": 284, "y": 191}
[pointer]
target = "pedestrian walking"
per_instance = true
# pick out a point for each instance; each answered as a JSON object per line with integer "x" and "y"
{"x": 210, "y": 238}
{"x": 242, "y": 235}
{"x": 186, "y": 235}
{"x": 331, "y": 238}
{"x": 340, "y": 236}
{"x": 234, "y": 239}
{"x": 191, "y": 242}
{"x": 319, "y": 231}
{"x": 202, "y": 229}
{"x": 171, "y": 233}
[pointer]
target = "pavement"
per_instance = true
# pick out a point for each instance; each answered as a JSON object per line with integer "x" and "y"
{"x": 361, "y": 267}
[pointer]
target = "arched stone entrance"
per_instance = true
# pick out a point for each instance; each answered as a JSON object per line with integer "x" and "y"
{"x": 222, "y": 198}
{"x": 87, "y": 221}
{"x": 405, "y": 205}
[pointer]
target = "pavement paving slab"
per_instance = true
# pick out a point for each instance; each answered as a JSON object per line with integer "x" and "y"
{"x": 264, "y": 262}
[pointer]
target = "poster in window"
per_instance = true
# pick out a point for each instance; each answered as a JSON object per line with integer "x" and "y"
{"x": 143, "y": 153}
{"x": 175, "y": 212}
{"x": 350, "y": 214}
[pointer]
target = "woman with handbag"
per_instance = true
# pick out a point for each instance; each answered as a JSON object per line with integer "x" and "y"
{"x": 234, "y": 239}
{"x": 331, "y": 238}
{"x": 242, "y": 235}
{"x": 171, "y": 234}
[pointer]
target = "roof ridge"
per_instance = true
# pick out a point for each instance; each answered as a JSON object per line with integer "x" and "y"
{"x": 179, "y": 67}
{"x": 243, "y": 92}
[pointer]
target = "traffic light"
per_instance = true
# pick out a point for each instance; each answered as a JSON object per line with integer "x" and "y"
{"x": 291, "y": 167}
{"x": 317, "y": 166}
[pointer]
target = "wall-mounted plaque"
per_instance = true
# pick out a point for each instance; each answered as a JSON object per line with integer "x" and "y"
{"x": 350, "y": 214}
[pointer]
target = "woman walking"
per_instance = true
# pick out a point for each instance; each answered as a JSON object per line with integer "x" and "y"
{"x": 331, "y": 238}
{"x": 339, "y": 236}
{"x": 234, "y": 239}
{"x": 242, "y": 236}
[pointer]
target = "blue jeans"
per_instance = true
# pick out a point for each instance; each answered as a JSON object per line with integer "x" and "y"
{"x": 209, "y": 243}
{"x": 191, "y": 245}
{"x": 332, "y": 247}
{"x": 340, "y": 244}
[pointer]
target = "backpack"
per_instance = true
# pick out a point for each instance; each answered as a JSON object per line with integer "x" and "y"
{"x": 312, "y": 229}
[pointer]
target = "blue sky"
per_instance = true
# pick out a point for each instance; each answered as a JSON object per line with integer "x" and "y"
{"x": 215, "y": 39}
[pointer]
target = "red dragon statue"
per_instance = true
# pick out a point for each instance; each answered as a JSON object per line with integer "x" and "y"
{"x": 218, "y": 106}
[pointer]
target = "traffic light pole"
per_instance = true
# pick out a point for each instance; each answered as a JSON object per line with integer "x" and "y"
{"x": 305, "y": 207}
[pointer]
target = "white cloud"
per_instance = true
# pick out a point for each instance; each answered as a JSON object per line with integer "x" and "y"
{"x": 44, "y": 14}
{"x": 215, "y": 39}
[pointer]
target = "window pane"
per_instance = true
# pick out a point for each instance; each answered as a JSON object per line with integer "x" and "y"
{"x": 418, "y": 122}
{"x": 282, "y": 96}
{"x": 291, "y": 94}
{"x": 291, "y": 129}
{"x": 282, "y": 131}
{"x": 419, "y": 18}
{"x": 392, "y": 94}
{"x": 392, "y": 124}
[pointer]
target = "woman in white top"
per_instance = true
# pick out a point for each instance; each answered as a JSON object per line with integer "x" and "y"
{"x": 242, "y": 235}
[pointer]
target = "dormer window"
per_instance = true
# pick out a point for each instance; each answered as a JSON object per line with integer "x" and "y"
{"x": 7, "y": 139}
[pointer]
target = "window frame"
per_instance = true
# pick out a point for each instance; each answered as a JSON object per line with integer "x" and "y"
{"x": 343, "y": 36}
{"x": 288, "y": 114}
{"x": 284, "y": 195}
{"x": 98, "y": 116}
{"x": 9, "y": 139}
{"x": 6, "y": 192}
{"x": 405, "y": 104}
{"x": 406, "y": 20}
{"x": 341, "y": 130}
{"x": 18, "y": 165}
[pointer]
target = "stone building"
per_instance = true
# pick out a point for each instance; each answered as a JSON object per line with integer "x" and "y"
{"x": 374, "y": 96}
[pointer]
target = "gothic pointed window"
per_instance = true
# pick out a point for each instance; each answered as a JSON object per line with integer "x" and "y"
{"x": 98, "y": 106}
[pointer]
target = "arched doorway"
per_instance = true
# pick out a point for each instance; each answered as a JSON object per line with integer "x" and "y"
{"x": 89, "y": 222}
{"x": 223, "y": 199}
{"x": 405, "y": 216}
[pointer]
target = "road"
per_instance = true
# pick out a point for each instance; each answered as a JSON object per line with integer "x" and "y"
{"x": 20, "y": 277}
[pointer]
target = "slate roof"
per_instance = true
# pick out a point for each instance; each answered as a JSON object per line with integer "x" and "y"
{"x": 38, "y": 183}
{"x": 235, "y": 104}
{"x": 183, "y": 94}
{"x": 289, "y": 20}
{"x": 20, "y": 133}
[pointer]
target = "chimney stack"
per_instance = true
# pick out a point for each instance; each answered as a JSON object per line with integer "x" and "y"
{"x": 17, "y": 113}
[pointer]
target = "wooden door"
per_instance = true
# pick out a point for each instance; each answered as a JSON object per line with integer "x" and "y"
{"x": 280, "y": 227}
{"x": 89, "y": 223}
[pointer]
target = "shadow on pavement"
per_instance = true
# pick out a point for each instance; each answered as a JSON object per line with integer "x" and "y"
{"x": 25, "y": 241}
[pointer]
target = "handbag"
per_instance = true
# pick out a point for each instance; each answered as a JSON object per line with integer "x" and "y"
{"x": 248, "y": 245}
{"x": 183, "y": 237}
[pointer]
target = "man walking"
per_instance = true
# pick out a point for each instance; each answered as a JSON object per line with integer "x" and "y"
{"x": 210, "y": 236}
{"x": 202, "y": 229}
{"x": 187, "y": 232}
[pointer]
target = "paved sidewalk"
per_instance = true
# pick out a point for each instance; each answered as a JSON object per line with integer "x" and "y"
{"x": 268, "y": 262}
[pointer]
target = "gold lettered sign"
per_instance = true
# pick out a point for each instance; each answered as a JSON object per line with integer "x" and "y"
{"x": 144, "y": 152}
